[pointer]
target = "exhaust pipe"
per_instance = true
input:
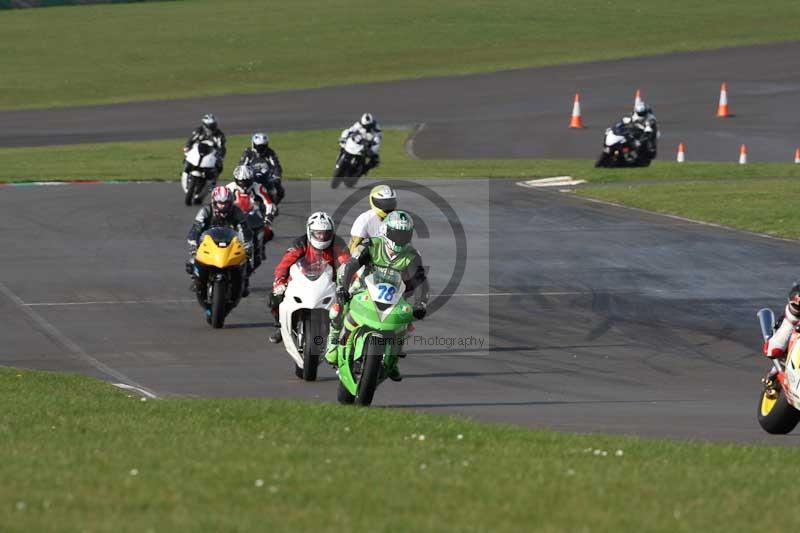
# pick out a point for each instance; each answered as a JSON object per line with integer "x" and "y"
{"x": 766, "y": 319}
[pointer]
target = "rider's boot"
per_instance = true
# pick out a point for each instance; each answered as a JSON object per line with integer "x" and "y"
{"x": 332, "y": 355}
{"x": 393, "y": 372}
{"x": 276, "y": 337}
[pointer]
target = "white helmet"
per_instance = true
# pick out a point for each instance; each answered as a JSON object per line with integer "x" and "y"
{"x": 639, "y": 112}
{"x": 320, "y": 230}
{"x": 260, "y": 142}
{"x": 367, "y": 120}
{"x": 243, "y": 176}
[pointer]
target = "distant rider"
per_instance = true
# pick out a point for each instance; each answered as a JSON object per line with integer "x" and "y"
{"x": 776, "y": 346}
{"x": 244, "y": 184}
{"x": 644, "y": 124}
{"x": 368, "y": 128}
{"x": 219, "y": 213}
{"x": 319, "y": 241}
{"x": 392, "y": 250}
{"x": 382, "y": 201}
{"x": 265, "y": 164}
{"x": 207, "y": 131}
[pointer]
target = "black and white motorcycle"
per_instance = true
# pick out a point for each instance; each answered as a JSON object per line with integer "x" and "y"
{"x": 625, "y": 145}
{"x": 351, "y": 163}
{"x": 200, "y": 174}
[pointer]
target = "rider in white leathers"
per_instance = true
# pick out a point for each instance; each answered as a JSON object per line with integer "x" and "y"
{"x": 368, "y": 128}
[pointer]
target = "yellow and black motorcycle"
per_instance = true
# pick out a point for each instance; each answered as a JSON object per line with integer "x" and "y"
{"x": 220, "y": 269}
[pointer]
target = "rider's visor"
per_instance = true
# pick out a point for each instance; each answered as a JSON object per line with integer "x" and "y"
{"x": 222, "y": 206}
{"x": 322, "y": 234}
{"x": 398, "y": 236}
{"x": 387, "y": 205}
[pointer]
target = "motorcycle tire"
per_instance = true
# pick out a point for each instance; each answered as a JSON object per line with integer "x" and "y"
{"x": 368, "y": 382}
{"x": 602, "y": 161}
{"x": 187, "y": 197}
{"x": 312, "y": 349}
{"x": 776, "y": 416}
{"x": 218, "y": 303}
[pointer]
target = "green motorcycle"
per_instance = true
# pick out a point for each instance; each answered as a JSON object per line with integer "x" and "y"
{"x": 376, "y": 325}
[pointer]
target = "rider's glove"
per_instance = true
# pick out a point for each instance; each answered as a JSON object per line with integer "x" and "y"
{"x": 342, "y": 294}
{"x": 278, "y": 288}
{"x": 419, "y": 312}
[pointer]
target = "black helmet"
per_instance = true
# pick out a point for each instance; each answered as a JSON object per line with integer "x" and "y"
{"x": 244, "y": 176}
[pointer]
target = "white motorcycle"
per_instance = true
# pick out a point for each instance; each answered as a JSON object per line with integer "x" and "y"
{"x": 200, "y": 175}
{"x": 304, "y": 314}
{"x": 352, "y": 159}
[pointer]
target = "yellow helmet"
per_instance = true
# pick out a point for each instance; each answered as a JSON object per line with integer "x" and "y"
{"x": 383, "y": 200}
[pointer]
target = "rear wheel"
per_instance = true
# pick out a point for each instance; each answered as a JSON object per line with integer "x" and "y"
{"x": 373, "y": 361}
{"x": 775, "y": 414}
{"x": 218, "y": 304}
{"x": 312, "y": 347}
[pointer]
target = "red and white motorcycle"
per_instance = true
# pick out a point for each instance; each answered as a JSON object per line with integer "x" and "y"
{"x": 779, "y": 402}
{"x": 304, "y": 314}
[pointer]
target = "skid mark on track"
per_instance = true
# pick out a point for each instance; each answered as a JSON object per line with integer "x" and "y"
{"x": 52, "y": 333}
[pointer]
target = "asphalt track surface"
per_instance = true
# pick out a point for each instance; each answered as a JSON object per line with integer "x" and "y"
{"x": 513, "y": 114}
{"x": 592, "y": 318}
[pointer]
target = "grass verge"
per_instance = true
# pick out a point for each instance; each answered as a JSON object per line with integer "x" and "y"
{"x": 112, "y": 53}
{"x": 741, "y": 196}
{"x": 79, "y": 455}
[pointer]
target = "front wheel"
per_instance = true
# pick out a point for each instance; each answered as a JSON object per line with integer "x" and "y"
{"x": 312, "y": 347}
{"x": 218, "y": 304}
{"x": 368, "y": 382}
{"x": 187, "y": 197}
{"x": 339, "y": 171}
{"x": 775, "y": 414}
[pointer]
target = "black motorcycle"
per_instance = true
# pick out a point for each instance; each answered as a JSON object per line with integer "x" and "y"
{"x": 625, "y": 145}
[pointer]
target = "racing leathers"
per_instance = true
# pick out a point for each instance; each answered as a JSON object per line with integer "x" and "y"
{"x": 645, "y": 128}
{"x": 372, "y": 137}
{"x": 776, "y": 345}
{"x": 206, "y": 219}
{"x": 261, "y": 197}
{"x": 335, "y": 255}
{"x": 202, "y": 133}
{"x": 372, "y": 254}
{"x": 268, "y": 170}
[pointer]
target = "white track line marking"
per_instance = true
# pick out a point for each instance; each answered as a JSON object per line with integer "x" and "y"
{"x": 111, "y": 302}
{"x": 455, "y": 295}
{"x": 532, "y": 293}
{"x": 141, "y": 391}
{"x": 56, "y": 336}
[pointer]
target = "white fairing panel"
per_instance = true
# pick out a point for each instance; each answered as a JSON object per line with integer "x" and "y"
{"x": 207, "y": 161}
{"x": 304, "y": 293}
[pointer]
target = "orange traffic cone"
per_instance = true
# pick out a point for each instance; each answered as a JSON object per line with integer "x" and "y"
{"x": 637, "y": 100}
{"x": 576, "y": 122}
{"x": 797, "y": 156}
{"x": 681, "y": 153}
{"x": 743, "y": 154}
{"x": 722, "y": 108}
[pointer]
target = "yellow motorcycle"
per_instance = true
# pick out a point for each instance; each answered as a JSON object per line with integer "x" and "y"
{"x": 220, "y": 270}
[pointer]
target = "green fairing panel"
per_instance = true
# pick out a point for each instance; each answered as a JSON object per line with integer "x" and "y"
{"x": 363, "y": 311}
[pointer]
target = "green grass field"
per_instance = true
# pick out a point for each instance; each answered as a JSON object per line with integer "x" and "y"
{"x": 113, "y": 53}
{"x": 79, "y": 455}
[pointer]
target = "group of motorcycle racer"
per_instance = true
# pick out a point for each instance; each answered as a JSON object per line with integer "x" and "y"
{"x": 380, "y": 236}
